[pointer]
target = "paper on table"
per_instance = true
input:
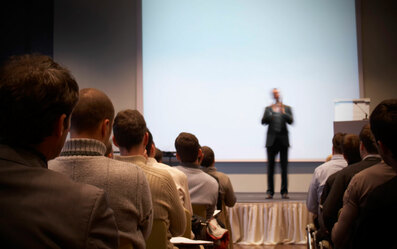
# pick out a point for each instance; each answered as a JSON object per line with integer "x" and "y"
{"x": 183, "y": 240}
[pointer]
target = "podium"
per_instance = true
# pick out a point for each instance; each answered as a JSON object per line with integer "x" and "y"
{"x": 351, "y": 115}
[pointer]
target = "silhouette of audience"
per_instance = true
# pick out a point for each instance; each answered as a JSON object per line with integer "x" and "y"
{"x": 40, "y": 208}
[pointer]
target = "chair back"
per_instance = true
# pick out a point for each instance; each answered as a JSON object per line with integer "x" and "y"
{"x": 200, "y": 210}
{"x": 158, "y": 237}
{"x": 188, "y": 230}
{"x": 125, "y": 244}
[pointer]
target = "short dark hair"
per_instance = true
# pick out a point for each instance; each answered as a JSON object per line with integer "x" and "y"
{"x": 209, "y": 156}
{"x": 351, "y": 148}
{"x": 337, "y": 142}
{"x": 129, "y": 128}
{"x": 187, "y": 147}
{"x": 368, "y": 139}
{"x": 34, "y": 92}
{"x": 93, "y": 107}
{"x": 159, "y": 155}
{"x": 383, "y": 121}
{"x": 149, "y": 142}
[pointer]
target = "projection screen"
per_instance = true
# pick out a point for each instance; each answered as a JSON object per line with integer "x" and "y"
{"x": 209, "y": 68}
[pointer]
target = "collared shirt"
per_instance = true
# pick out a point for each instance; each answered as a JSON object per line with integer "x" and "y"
{"x": 180, "y": 180}
{"x": 320, "y": 175}
{"x": 203, "y": 188}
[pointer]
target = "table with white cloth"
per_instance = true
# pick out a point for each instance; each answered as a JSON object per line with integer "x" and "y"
{"x": 269, "y": 223}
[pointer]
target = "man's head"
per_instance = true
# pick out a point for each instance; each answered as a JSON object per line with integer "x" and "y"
{"x": 383, "y": 121}
{"x": 276, "y": 94}
{"x": 150, "y": 148}
{"x": 130, "y": 132}
{"x": 158, "y": 156}
{"x": 337, "y": 142}
{"x": 367, "y": 141}
{"x": 208, "y": 159}
{"x": 37, "y": 97}
{"x": 93, "y": 116}
{"x": 187, "y": 147}
{"x": 351, "y": 148}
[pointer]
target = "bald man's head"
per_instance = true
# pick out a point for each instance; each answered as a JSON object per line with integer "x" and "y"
{"x": 93, "y": 107}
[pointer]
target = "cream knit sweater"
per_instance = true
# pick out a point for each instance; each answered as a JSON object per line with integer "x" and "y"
{"x": 125, "y": 184}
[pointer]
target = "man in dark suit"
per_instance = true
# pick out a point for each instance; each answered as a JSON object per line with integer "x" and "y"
{"x": 40, "y": 208}
{"x": 277, "y": 116}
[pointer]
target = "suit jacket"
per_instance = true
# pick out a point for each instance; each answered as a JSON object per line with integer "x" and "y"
{"x": 40, "y": 208}
{"x": 272, "y": 133}
{"x": 335, "y": 186}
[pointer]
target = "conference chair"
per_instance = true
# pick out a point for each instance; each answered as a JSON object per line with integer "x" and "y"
{"x": 158, "y": 236}
{"x": 200, "y": 210}
{"x": 125, "y": 244}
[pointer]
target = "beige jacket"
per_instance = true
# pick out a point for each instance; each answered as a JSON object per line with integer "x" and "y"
{"x": 166, "y": 203}
{"x": 180, "y": 180}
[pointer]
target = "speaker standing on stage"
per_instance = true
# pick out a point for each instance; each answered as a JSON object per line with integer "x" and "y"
{"x": 277, "y": 116}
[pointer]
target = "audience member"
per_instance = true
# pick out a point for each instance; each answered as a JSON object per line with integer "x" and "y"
{"x": 322, "y": 172}
{"x": 225, "y": 185}
{"x": 351, "y": 148}
{"x": 332, "y": 197}
{"x": 82, "y": 159}
{"x": 109, "y": 149}
{"x": 158, "y": 156}
{"x": 383, "y": 126}
{"x": 179, "y": 177}
{"x": 202, "y": 187}
{"x": 131, "y": 136}
{"x": 378, "y": 216}
{"x": 40, "y": 208}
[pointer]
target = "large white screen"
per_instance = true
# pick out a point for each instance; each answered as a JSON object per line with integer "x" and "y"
{"x": 209, "y": 67}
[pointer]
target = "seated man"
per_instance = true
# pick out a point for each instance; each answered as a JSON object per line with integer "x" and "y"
{"x": 383, "y": 126}
{"x": 379, "y": 214}
{"x": 40, "y": 208}
{"x": 179, "y": 177}
{"x": 351, "y": 148}
{"x": 82, "y": 159}
{"x": 332, "y": 197}
{"x": 130, "y": 135}
{"x": 202, "y": 187}
{"x": 322, "y": 172}
{"x": 225, "y": 186}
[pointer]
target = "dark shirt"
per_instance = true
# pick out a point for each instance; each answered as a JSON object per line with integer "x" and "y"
{"x": 332, "y": 197}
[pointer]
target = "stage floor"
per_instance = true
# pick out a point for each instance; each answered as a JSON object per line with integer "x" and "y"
{"x": 255, "y": 197}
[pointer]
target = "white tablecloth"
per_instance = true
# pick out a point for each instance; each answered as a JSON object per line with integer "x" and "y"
{"x": 269, "y": 223}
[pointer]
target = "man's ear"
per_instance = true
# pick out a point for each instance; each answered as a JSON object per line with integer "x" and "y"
{"x": 105, "y": 127}
{"x": 178, "y": 157}
{"x": 146, "y": 138}
{"x": 115, "y": 142}
{"x": 60, "y": 128}
{"x": 200, "y": 156}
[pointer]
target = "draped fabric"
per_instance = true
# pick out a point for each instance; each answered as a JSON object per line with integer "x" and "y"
{"x": 269, "y": 223}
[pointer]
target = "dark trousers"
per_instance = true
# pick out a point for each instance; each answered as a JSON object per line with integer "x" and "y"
{"x": 272, "y": 152}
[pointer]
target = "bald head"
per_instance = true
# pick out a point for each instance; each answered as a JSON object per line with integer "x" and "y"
{"x": 93, "y": 107}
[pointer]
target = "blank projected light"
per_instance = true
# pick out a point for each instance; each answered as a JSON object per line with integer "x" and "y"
{"x": 209, "y": 68}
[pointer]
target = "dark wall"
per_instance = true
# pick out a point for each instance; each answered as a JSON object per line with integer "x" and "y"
{"x": 379, "y": 49}
{"x": 26, "y": 27}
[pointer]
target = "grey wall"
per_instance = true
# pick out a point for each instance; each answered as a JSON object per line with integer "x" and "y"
{"x": 379, "y": 50}
{"x": 99, "y": 42}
